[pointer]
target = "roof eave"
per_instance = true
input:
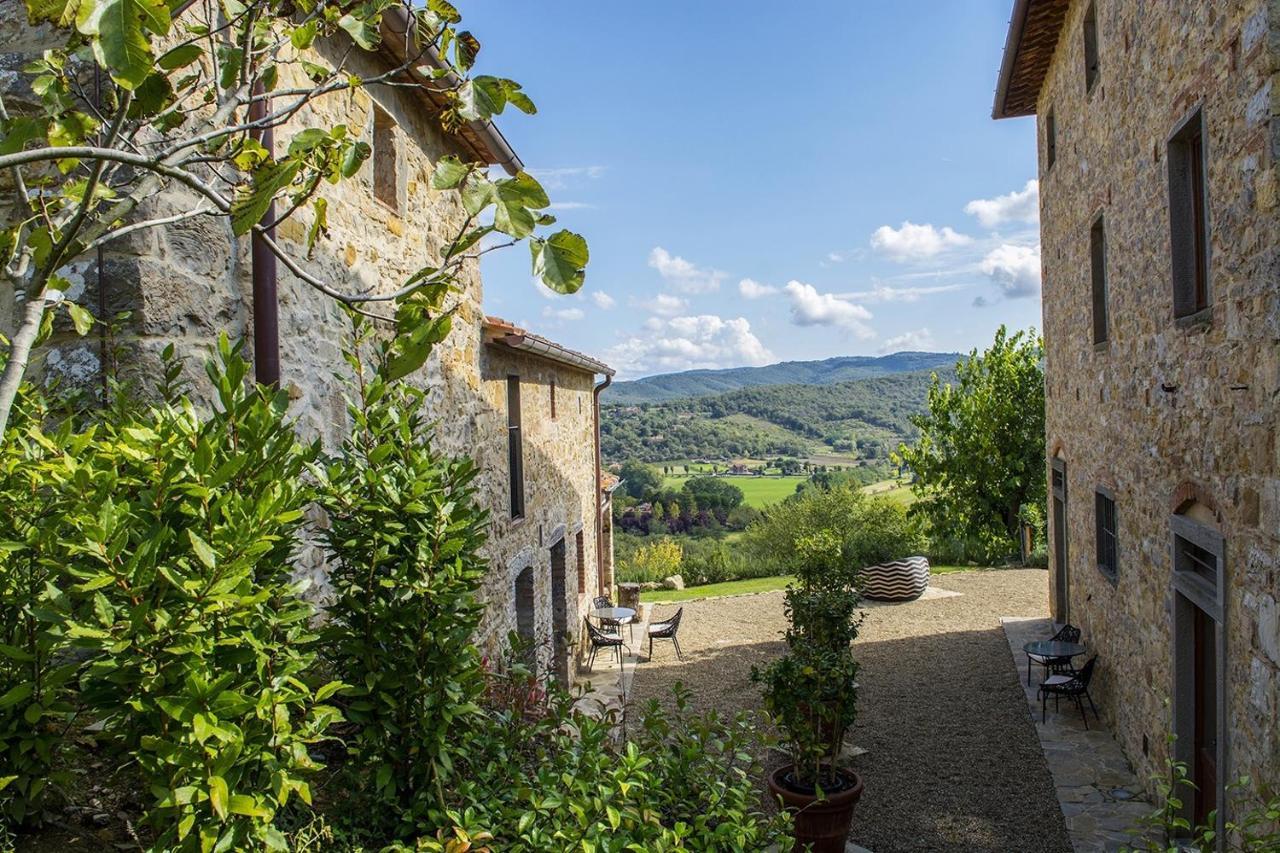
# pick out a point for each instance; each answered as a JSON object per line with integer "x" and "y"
{"x": 1012, "y": 40}
{"x": 483, "y": 137}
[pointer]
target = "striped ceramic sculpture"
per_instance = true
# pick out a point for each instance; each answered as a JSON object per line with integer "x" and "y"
{"x": 901, "y": 580}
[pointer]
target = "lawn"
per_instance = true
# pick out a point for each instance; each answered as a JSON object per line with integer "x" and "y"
{"x": 756, "y": 491}
{"x": 754, "y": 585}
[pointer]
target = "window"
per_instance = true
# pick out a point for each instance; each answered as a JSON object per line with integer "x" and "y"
{"x": 1050, "y": 140}
{"x": 1195, "y": 559}
{"x": 1105, "y": 527}
{"x": 1090, "y": 48}
{"x": 386, "y": 166}
{"x": 1188, "y": 220}
{"x": 1098, "y": 275}
{"x": 580, "y": 554}
{"x": 515, "y": 447}
{"x": 553, "y": 399}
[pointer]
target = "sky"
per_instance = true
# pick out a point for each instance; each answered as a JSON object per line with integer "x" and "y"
{"x": 763, "y": 182}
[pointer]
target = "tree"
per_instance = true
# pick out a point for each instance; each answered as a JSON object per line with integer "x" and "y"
{"x": 638, "y": 479}
{"x": 979, "y": 461}
{"x": 712, "y": 494}
{"x": 188, "y": 95}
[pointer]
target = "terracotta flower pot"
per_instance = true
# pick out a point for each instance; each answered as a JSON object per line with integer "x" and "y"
{"x": 821, "y": 826}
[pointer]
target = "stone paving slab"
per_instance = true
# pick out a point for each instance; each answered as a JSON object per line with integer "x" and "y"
{"x": 608, "y": 684}
{"x": 1100, "y": 796}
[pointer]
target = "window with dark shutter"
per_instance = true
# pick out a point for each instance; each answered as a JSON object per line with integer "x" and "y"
{"x": 553, "y": 399}
{"x": 1188, "y": 218}
{"x": 1105, "y": 533}
{"x": 1050, "y": 140}
{"x": 1098, "y": 275}
{"x": 515, "y": 447}
{"x": 1090, "y": 48}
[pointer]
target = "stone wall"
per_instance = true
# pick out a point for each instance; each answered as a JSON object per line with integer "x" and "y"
{"x": 1166, "y": 414}
{"x": 186, "y": 283}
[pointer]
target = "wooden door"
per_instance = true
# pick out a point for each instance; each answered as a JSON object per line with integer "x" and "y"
{"x": 1204, "y": 770}
{"x": 1061, "y": 610}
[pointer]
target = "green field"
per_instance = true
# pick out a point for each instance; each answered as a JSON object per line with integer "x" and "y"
{"x": 756, "y": 491}
{"x": 895, "y": 490}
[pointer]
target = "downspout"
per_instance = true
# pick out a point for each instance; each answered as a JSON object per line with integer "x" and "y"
{"x": 266, "y": 307}
{"x": 595, "y": 414}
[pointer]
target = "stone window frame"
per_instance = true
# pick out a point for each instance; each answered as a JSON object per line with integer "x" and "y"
{"x": 1180, "y": 195}
{"x": 386, "y": 184}
{"x": 1092, "y": 54}
{"x": 1112, "y": 571}
{"x": 1099, "y": 283}
{"x": 515, "y": 448}
{"x": 1192, "y": 591}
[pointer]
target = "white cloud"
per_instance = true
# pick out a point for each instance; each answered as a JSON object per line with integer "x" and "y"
{"x": 685, "y": 343}
{"x": 752, "y": 289}
{"x": 811, "y": 308}
{"x": 914, "y": 341}
{"x": 915, "y": 242}
{"x": 1018, "y": 206}
{"x": 1014, "y": 269}
{"x": 886, "y": 293}
{"x": 563, "y": 313}
{"x": 662, "y": 304}
{"x": 558, "y": 179}
{"x": 835, "y": 257}
{"x": 570, "y": 205}
{"x": 685, "y": 275}
{"x": 602, "y": 299}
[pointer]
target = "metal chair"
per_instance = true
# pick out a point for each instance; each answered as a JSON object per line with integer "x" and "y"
{"x": 1074, "y": 686}
{"x": 612, "y": 626}
{"x": 1066, "y": 634}
{"x": 666, "y": 630}
{"x": 601, "y": 640}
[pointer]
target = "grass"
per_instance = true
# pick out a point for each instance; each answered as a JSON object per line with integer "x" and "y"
{"x": 756, "y": 585}
{"x": 756, "y": 491}
{"x": 715, "y": 590}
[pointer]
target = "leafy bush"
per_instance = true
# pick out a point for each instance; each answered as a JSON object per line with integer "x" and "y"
{"x": 557, "y": 780}
{"x": 868, "y": 529}
{"x": 653, "y": 562}
{"x": 405, "y": 530}
{"x": 36, "y": 707}
{"x": 177, "y": 534}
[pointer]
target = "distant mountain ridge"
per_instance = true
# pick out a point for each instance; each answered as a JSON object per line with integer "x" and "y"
{"x": 830, "y": 371}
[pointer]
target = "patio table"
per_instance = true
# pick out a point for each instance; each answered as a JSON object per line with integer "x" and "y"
{"x": 1054, "y": 649}
{"x": 618, "y": 614}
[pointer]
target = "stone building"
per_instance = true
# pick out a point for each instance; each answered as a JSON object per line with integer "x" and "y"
{"x": 187, "y": 282}
{"x": 1159, "y": 134}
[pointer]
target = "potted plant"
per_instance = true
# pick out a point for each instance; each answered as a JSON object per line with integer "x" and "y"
{"x": 811, "y": 693}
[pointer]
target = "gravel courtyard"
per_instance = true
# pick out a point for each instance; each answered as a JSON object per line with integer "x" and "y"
{"x": 952, "y": 759}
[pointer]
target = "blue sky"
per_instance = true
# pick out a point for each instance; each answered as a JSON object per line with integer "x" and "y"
{"x": 744, "y": 174}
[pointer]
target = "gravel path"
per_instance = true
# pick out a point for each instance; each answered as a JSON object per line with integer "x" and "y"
{"x": 952, "y": 759}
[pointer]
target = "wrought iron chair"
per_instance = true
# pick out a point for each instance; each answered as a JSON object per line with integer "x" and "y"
{"x": 1074, "y": 686}
{"x": 1066, "y": 634}
{"x": 612, "y": 626}
{"x": 601, "y": 640}
{"x": 666, "y": 630}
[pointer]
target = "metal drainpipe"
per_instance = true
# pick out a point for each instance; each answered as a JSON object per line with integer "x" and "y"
{"x": 266, "y": 307}
{"x": 595, "y": 413}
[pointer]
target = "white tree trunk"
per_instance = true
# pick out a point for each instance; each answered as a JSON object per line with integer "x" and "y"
{"x": 19, "y": 354}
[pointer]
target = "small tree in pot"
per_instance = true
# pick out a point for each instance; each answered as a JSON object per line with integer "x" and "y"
{"x": 811, "y": 694}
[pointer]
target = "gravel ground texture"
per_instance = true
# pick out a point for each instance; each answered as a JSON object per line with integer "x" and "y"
{"x": 952, "y": 761}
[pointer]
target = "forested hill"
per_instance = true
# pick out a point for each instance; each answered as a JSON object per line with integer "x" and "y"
{"x": 698, "y": 383}
{"x": 862, "y": 420}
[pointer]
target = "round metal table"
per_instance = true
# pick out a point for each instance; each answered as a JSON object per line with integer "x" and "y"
{"x": 1053, "y": 649}
{"x": 617, "y": 614}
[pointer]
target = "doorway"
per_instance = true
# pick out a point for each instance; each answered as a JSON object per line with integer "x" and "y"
{"x": 559, "y": 613}
{"x": 1204, "y": 770}
{"x": 1061, "y": 570}
{"x": 525, "y": 615}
